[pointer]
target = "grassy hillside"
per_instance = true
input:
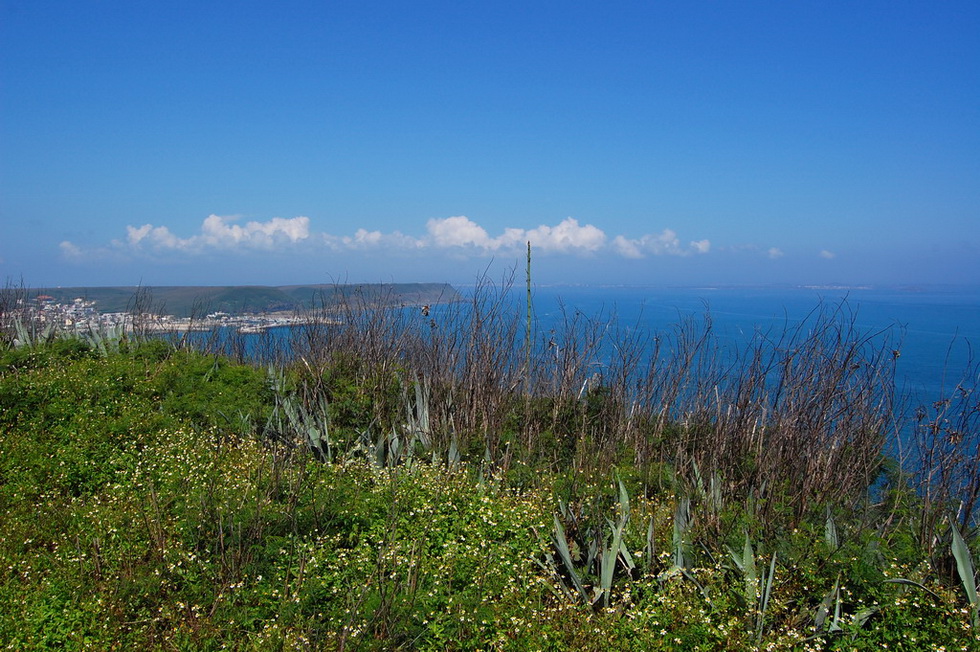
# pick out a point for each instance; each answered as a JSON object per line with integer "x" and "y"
{"x": 399, "y": 489}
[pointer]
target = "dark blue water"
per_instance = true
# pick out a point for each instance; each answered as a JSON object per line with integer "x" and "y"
{"x": 934, "y": 330}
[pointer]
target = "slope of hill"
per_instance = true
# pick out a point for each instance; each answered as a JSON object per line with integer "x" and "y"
{"x": 184, "y": 301}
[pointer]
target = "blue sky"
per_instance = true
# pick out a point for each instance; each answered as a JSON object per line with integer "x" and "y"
{"x": 630, "y": 142}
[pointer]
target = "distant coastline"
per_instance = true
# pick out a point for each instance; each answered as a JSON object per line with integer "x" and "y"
{"x": 199, "y": 301}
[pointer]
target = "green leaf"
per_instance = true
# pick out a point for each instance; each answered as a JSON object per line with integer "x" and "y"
{"x": 766, "y": 593}
{"x": 748, "y": 561}
{"x": 830, "y": 532}
{"x": 903, "y": 581}
{"x": 562, "y": 544}
{"x": 964, "y": 565}
{"x": 862, "y": 616}
{"x": 824, "y": 610}
{"x": 681, "y": 523}
{"x": 651, "y": 548}
{"x": 627, "y": 557}
{"x": 624, "y": 502}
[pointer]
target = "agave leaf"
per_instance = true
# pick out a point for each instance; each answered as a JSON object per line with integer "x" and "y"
{"x": 394, "y": 449}
{"x": 563, "y": 510}
{"x": 748, "y": 562}
{"x": 835, "y": 625}
{"x": 964, "y": 566}
{"x": 830, "y": 532}
{"x": 627, "y": 557}
{"x": 824, "y": 610}
{"x": 314, "y": 436}
{"x": 562, "y": 544}
{"x": 736, "y": 557}
{"x": 23, "y": 338}
{"x": 766, "y": 594}
{"x": 624, "y": 502}
{"x": 707, "y": 552}
{"x": 417, "y": 411}
{"x": 324, "y": 418}
{"x": 409, "y": 450}
{"x": 422, "y": 403}
{"x": 276, "y": 380}
{"x": 552, "y": 566}
{"x": 905, "y": 582}
{"x": 554, "y": 569}
{"x": 592, "y": 553}
{"x": 608, "y": 563}
{"x": 745, "y": 563}
{"x": 651, "y": 547}
{"x": 698, "y": 481}
{"x": 454, "y": 456}
{"x": 716, "y": 499}
{"x": 681, "y": 524}
{"x": 95, "y": 339}
{"x": 862, "y": 616}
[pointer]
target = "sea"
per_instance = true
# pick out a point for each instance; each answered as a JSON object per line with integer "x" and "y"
{"x": 935, "y": 330}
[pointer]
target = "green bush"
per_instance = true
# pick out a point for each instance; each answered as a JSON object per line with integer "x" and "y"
{"x": 139, "y": 511}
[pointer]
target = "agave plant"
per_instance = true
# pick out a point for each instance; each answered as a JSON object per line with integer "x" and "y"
{"x": 758, "y": 587}
{"x": 29, "y": 338}
{"x": 104, "y": 339}
{"x": 605, "y": 552}
{"x": 292, "y": 422}
{"x": 744, "y": 561}
{"x": 965, "y": 569}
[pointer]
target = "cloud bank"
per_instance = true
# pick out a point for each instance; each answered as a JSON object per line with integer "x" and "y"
{"x": 220, "y": 233}
{"x": 566, "y": 237}
{"x": 457, "y": 235}
{"x": 666, "y": 242}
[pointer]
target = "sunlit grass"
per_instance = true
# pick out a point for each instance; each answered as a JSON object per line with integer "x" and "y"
{"x": 146, "y": 504}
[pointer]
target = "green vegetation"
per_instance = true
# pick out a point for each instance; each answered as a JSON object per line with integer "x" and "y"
{"x": 188, "y": 301}
{"x": 420, "y": 486}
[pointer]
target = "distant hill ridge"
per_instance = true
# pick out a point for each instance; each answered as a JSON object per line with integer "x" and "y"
{"x": 184, "y": 301}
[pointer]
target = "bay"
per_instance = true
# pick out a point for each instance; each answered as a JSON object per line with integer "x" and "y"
{"x": 935, "y": 330}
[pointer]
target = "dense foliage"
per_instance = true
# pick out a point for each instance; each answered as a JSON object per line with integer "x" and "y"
{"x": 395, "y": 479}
{"x": 153, "y": 497}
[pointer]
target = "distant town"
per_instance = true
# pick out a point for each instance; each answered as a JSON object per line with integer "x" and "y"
{"x": 247, "y": 309}
{"x": 83, "y": 315}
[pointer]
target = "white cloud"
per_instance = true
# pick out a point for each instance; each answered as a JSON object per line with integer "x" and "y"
{"x": 159, "y": 236}
{"x": 457, "y": 235}
{"x": 459, "y": 231}
{"x": 701, "y": 246}
{"x": 664, "y": 243}
{"x": 70, "y": 251}
{"x": 775, "y": 252}
{"x": 566, "y": 236}
{"x": 219, "y": 232}
{"x": 363, "y": 240}
{"x": 627, "y": 248}
{"x": 827, "y": 254}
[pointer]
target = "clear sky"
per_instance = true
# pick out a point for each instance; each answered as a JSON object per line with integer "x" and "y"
{"x": 638, "y": 143}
